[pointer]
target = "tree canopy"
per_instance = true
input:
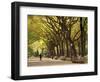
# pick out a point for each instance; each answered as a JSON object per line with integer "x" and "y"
{"x": 58, "y": 35}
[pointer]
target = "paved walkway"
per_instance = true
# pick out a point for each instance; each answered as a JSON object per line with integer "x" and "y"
{"x": 35, "y": 61}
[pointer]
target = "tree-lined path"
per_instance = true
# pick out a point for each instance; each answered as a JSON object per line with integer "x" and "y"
{"x": 57, "y": 38}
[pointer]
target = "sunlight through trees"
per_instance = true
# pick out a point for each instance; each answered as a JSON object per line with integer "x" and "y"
{"x": 58, "y": 37}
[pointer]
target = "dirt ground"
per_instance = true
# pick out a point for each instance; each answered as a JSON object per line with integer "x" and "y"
{"x": 35, "y": 61}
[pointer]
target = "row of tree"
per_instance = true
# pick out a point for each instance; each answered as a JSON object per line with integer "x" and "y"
{"x": 63, "y": 35}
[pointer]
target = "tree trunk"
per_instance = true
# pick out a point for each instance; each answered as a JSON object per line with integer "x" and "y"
{"x": 57, "y": 50}
{"x": 67, "y": 49}
{"x": 82, "y": 38}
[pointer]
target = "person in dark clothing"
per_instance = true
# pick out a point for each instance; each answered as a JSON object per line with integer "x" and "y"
{"x": 40, "y": 57}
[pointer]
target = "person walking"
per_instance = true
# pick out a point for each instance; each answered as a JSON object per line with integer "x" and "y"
{"x": 40, "y": 57}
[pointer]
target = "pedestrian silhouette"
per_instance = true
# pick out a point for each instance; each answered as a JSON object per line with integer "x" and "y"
{"x": 40, "y": 57}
